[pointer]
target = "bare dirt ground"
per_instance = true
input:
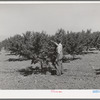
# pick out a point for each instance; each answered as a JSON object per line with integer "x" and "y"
{"x": 78, "y": 74}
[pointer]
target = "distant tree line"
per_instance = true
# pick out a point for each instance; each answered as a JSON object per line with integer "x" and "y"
{"x": 38, "y": 45}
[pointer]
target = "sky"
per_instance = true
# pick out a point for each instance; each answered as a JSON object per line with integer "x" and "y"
{"x": 19, "y": 18}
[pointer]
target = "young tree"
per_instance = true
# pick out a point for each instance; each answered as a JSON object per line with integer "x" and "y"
{"x": 74, "y": 44}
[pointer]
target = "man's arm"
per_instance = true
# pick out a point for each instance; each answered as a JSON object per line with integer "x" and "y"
{"x": 54, "y": 43}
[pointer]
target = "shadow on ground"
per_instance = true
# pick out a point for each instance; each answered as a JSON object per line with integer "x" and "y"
{"x": 68, "y": 59}
{"x": 97, "y": 71}
{"x": 9, "y": 54}
{"x": 17, "y": 59}
{"x": 71, "y": 59}
{"x": 89, "y": 52}
{"x": 29, "y": 70}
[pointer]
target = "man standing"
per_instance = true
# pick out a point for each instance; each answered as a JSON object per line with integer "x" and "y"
{"x": 59, "y": 64}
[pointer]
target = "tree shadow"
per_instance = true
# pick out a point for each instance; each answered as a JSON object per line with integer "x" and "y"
{"x": 29, "y": 71}
{"x": 67, "y": 60}
{"x": 97, "y": 71}
{"x": 89, "y": 52}
{"x": 9, "y": 54}
{"x": 76, "y": 58}
{"x": 17, "y": 59}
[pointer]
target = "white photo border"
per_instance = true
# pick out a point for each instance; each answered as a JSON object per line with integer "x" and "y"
{"x": 51, "y": 94}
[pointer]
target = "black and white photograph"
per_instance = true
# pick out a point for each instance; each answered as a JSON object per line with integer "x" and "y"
{"x": 50, "y": 46}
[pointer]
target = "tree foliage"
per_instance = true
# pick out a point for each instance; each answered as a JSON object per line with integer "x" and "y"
{"x": 37, "y": 45}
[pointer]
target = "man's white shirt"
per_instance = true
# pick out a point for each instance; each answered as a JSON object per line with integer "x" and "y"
{"x": 59, "y": 49}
